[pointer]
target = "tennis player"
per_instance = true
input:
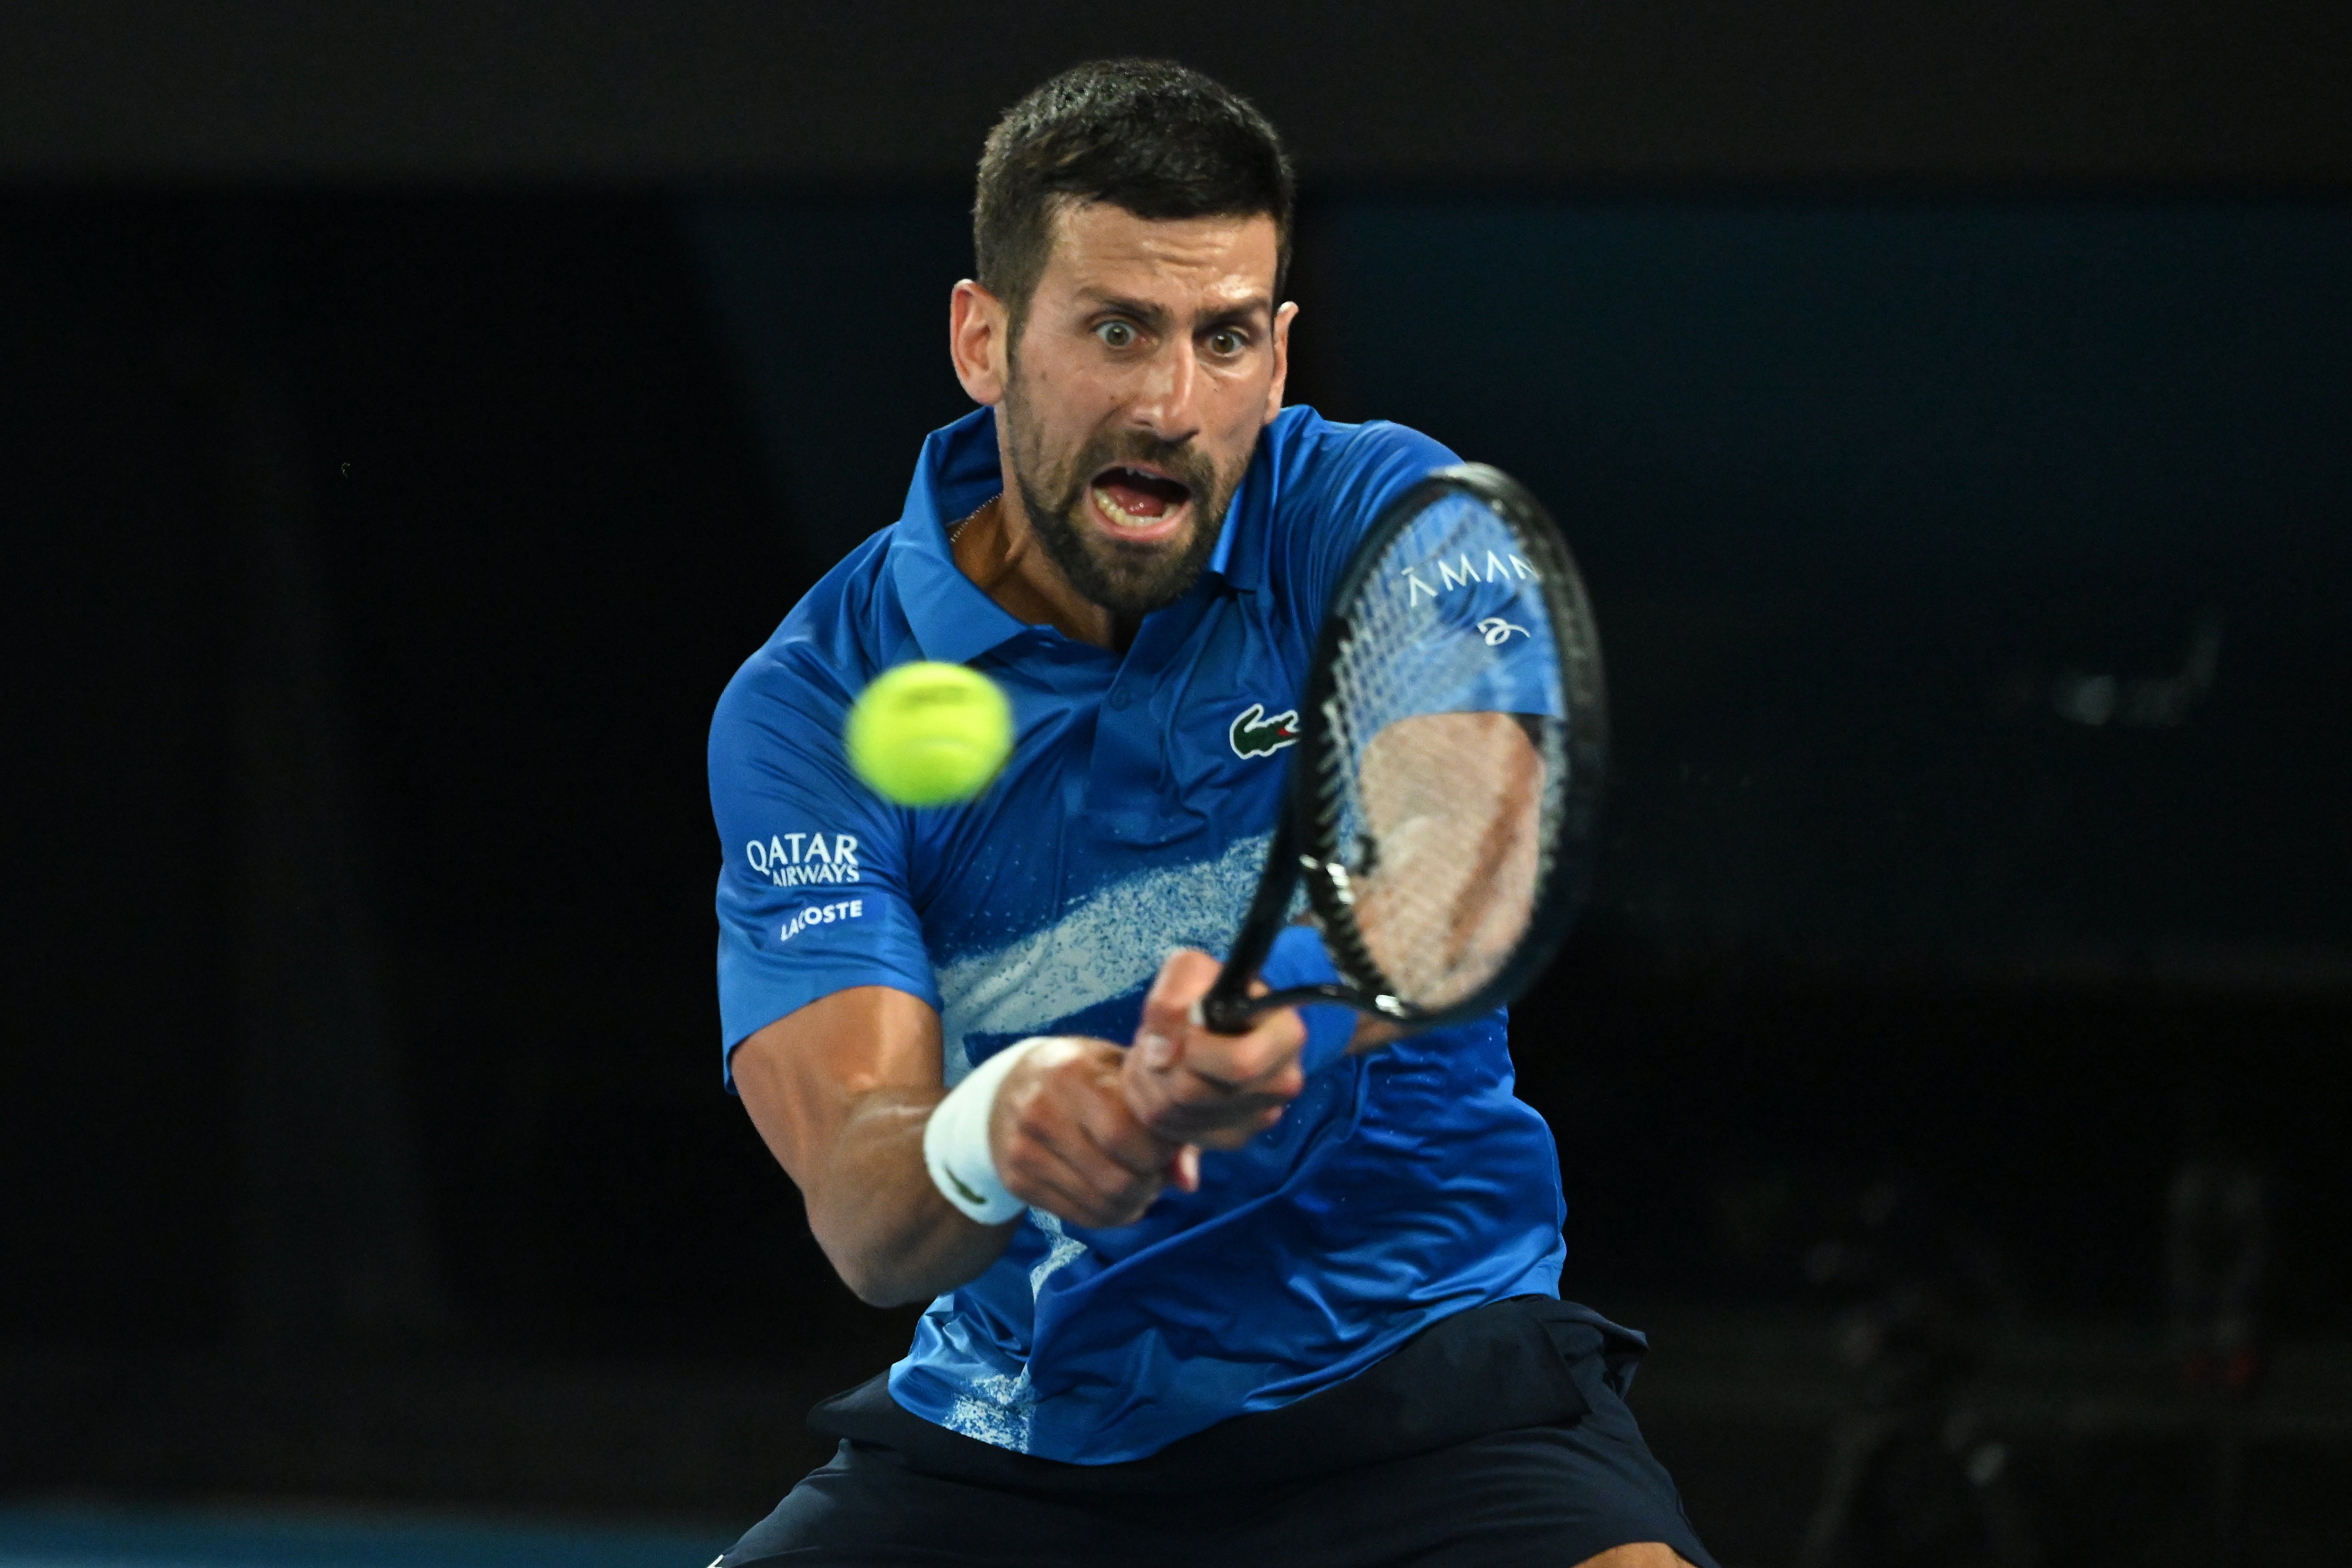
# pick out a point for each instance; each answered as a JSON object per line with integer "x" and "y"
{"x": 1277, "y": 1297}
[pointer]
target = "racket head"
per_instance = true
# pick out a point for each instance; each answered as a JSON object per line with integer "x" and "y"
{"x": 1459, "y": 649}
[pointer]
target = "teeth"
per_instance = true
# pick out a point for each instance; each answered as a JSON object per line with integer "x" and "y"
{"x": 1108, "y": 505}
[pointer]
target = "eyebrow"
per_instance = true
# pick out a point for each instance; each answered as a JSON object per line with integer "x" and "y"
{"x": 1155, "y": 318}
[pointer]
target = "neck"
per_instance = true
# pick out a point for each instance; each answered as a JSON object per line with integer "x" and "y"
{"x": 997, "y": 550}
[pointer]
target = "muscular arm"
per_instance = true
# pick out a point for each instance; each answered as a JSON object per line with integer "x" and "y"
{"x": 839, "y": 1091}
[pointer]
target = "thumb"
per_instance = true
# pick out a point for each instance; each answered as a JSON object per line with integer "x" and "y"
{"x": 1157, "y": 1049}
{"x": 1185, "y": 976}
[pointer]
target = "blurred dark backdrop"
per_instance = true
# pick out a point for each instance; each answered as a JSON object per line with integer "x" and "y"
{"x": 408, "y": 428}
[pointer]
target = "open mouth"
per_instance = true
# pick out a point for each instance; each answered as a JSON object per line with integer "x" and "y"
{"x": 1138, "y": 501}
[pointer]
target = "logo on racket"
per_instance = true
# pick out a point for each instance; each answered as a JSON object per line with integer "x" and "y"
{"x": 1465, "y": 573}
{"x": 1497, "y": 631}
{"x": 1255, "y": 735}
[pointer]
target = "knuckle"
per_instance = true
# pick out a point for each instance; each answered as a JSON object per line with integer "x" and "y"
{"x": 1214, "y": 1071}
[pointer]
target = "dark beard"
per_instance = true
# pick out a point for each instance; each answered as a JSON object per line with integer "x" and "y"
{"x": 1130, "y": 581}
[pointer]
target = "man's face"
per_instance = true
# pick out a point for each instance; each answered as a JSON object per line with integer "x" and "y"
{"x": 1151, "y": 356}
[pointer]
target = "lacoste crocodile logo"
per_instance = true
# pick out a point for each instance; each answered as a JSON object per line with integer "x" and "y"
{"x": 1254, "y": 734}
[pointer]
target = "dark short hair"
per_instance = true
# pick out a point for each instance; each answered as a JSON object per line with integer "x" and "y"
{"x": 1151, "y": 136}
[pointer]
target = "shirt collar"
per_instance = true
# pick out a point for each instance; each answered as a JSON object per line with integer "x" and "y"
{"x": 953, "y": 619}
{"x": 1256, "y": 483}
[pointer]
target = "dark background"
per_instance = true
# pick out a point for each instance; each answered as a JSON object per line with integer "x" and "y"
{"x": 407, "y": 423}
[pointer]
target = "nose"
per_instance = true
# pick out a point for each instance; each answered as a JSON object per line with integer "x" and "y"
{"x": 1167, "y": 402}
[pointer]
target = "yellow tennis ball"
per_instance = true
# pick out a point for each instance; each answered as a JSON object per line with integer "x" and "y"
{"x": 929, "y": 734}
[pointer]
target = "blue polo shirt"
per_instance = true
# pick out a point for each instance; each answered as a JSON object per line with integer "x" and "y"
{"x": 1132, "y": 819}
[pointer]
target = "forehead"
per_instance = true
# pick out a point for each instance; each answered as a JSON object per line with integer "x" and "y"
{"x": 1102, "y": 249}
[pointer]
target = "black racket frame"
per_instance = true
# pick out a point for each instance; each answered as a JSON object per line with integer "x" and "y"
{"x": 1305, "y": 838}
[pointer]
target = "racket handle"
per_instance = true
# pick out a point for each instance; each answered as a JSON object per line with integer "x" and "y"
{"x": 1234, "y": 1012}
{"x": 1229, "y": 1008}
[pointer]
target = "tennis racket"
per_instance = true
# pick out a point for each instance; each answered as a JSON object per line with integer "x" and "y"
{"x": 1443, "y": 796}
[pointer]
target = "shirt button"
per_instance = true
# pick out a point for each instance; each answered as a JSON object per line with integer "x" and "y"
{"x": 1119, "y": 697}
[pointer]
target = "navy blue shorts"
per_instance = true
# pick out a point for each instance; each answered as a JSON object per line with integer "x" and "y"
{"x": 1498, "y": 1437}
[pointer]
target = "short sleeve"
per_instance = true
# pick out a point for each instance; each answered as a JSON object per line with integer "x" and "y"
{"x": 1350, "y": 480}
{"x": 1476, "y": 585}
{"x": 813, "y": 883}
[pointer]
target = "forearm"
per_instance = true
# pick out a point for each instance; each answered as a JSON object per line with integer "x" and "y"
{"x": 879, "y": 1218}
{"x": 840, "y": 1091}
{"x": 843, "y": 1090}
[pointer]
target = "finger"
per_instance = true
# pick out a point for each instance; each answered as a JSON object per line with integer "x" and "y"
{"x": 1148, "y": 1091}
{"x": 1179, "y": 1102}
{"x": 1154, "y": 1094}
{"x": 1173, "y": 1104}
{"x": 1282, "y": 1080}
{"x": 1183, "y": 1120}
{"x": 1052, "y": 1125}
{"x": 1154, "y": 1048}
{"x": 1108, "y": 1211}
{"x": 1101, "y": 1171}
{"x": 1081, "y": 1187}
{"x": 1076, "y": 1206}
{"x": 1250, "y": 1060}
{"x": 1184, "y": 977}
{"x": 1242, "y": 1124}
{"x": 1122, "y": 1137}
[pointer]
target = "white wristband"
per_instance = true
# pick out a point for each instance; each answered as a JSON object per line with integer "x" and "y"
{"x": 955, "y": 1140}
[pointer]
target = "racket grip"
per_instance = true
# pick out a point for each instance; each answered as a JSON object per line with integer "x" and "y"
{"x": 1228, "y": 1008}
{"x": 1295, "y": 966}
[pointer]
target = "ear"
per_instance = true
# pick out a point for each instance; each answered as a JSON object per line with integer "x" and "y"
{"x": 976, "y": 340}
{"x": 1282, "y": 319}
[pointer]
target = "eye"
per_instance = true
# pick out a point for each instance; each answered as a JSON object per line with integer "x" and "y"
{"x": 1116, "y": 334}
{"x": 1225, "y": 342}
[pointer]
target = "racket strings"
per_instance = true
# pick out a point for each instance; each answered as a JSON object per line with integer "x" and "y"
{"x": 1444, "y": 807}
